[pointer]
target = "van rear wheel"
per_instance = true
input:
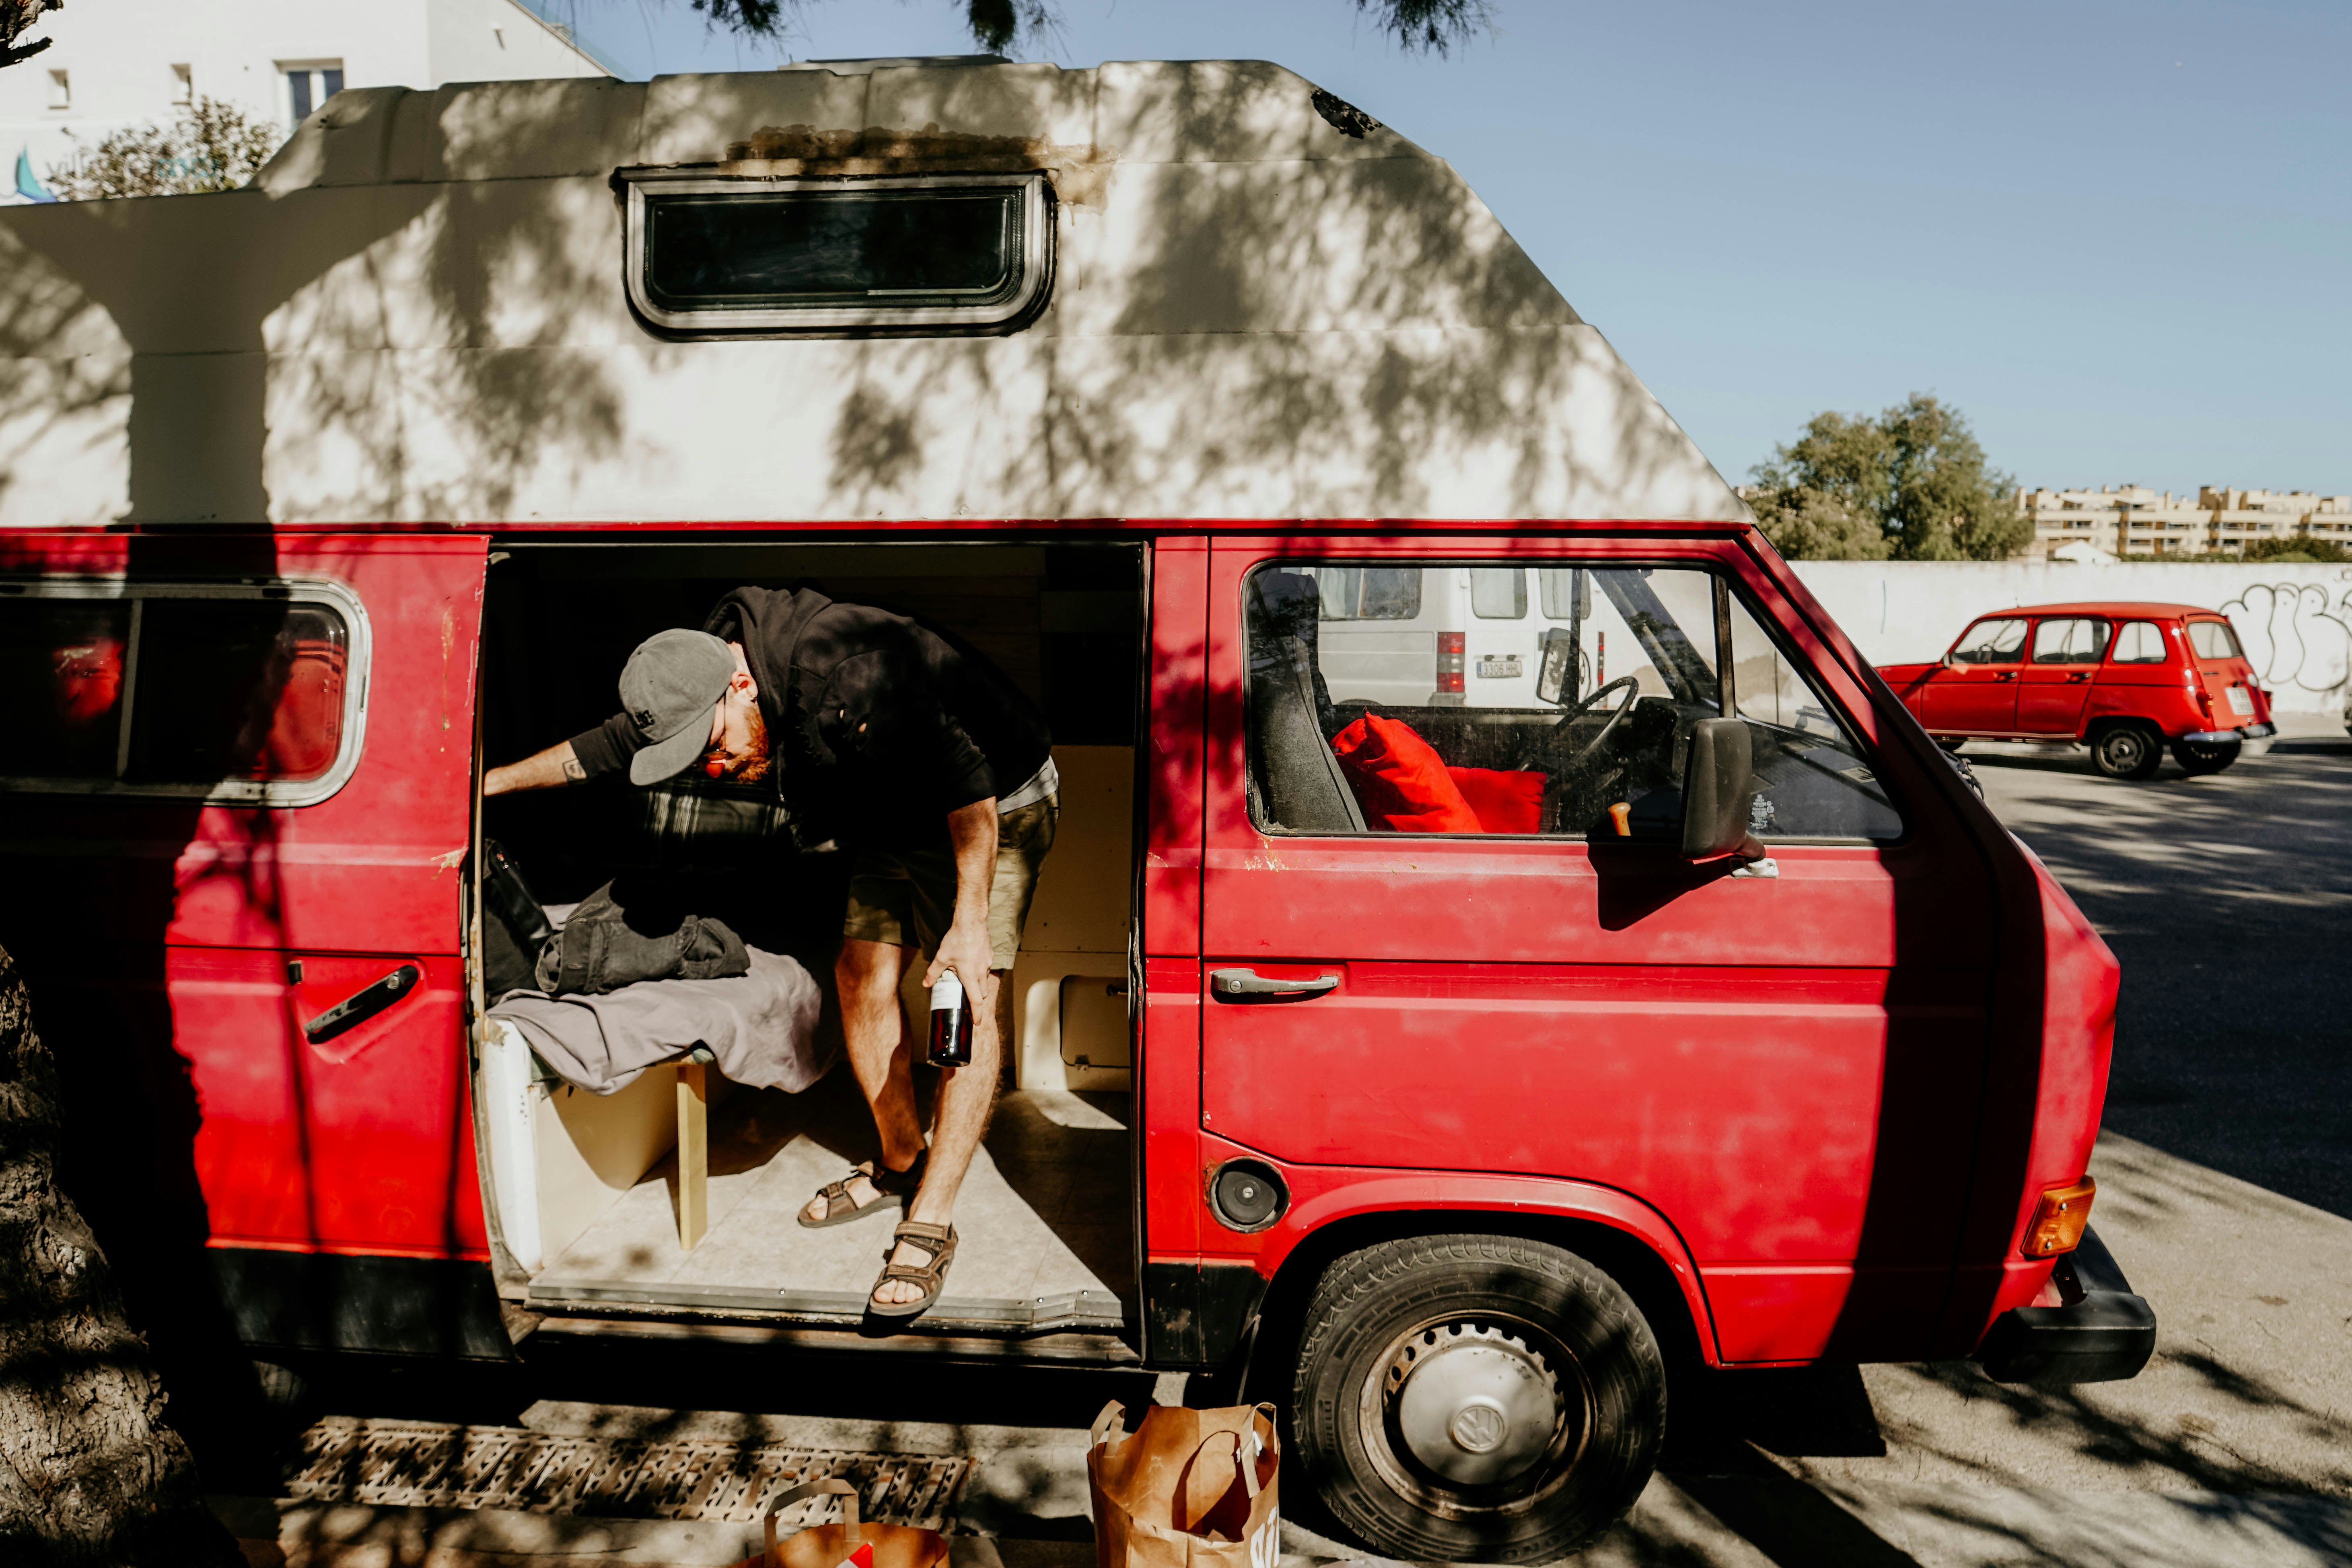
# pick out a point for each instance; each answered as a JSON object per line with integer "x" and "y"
{"x": 1475, "y": 1398}
{"x": 2205, "y": 756}
{"x": 2125, "y": 751}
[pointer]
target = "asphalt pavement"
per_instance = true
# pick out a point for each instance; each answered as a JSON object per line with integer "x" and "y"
{"x": 2225, "y": 1179}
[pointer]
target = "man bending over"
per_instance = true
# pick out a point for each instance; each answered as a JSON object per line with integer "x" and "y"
{"x": 938, "y": 772}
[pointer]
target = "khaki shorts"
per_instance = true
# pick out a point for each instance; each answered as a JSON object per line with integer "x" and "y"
{"x": 906, "y": 897}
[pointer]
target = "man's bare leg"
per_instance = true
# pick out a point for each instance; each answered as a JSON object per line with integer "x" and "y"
{"x": 967, "y": 1096}
{"x": 867, "y": 976}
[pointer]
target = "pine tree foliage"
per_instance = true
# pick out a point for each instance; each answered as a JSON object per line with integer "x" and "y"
{"x": 1417, "y": 27}
{"x": 215, "y": 146}
{"x": 15, "y": 17}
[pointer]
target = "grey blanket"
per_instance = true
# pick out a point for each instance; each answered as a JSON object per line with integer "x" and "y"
{"x": 761, "y": 1026}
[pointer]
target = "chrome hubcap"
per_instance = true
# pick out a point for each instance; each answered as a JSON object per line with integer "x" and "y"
{"x": 1472, "y": 1404}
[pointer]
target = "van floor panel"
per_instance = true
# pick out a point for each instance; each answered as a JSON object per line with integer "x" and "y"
{"x": 1043, "y": 1211}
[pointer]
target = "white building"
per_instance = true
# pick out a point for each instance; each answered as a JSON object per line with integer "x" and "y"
{"x": 2132, "y": 519}
{"x": 116, "y": 63}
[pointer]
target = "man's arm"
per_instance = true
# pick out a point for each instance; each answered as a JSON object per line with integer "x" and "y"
{"x": 559, "y": 765}
{"x": 972, "y": 829}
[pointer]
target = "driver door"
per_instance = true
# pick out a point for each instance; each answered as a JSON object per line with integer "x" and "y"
{"x": 1777, "y": 1064}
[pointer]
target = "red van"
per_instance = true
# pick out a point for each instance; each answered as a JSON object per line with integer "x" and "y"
{"x": 1504, "y": 951}
{"x": 1741, "y": 1041}
{"x": 2124, "y": 680}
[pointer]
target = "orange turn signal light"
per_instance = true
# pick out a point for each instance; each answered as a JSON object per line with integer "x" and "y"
{"x": 2060, "y": 1219}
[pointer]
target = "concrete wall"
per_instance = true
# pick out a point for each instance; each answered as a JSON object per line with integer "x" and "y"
{"x": 2295, "y": 620}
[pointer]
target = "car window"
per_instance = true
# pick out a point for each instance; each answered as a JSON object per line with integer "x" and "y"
{"x": 232, "y": 692}
{"x": 2139, "y": 642}
{"x": 1564, "y": 729}
{"x": 1990, "y": 642}
{"x": 1368, "y": 593}
{"x": 1498, "y": 594}
{"x": 2072, "y": 640}
{"x": 2214, "y": 639}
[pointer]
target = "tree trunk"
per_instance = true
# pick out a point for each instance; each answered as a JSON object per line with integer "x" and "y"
{"x": 89, "y": 1472}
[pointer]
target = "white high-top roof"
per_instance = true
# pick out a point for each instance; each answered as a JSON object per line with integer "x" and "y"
{"x": 417, "y": 315}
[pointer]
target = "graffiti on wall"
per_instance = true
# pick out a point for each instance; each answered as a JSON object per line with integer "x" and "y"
{"x": 2293, "y": 636}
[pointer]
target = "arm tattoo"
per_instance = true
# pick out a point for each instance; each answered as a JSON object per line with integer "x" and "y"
{"x": 573, "y": 770}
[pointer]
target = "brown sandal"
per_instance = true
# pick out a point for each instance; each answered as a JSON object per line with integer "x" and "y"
{"x": 939, "y": 1241}
{"x": 840, "y": 1208}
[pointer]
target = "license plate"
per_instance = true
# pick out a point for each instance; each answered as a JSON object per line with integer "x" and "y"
{"x": 2240, "y": 703}
{"x": 1499, "y": 667}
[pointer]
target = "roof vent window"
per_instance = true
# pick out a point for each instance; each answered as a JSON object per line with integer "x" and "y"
{"x": 945, "y": 253}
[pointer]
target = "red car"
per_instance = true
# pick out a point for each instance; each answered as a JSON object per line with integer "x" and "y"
{"x": 2125, "y": 680}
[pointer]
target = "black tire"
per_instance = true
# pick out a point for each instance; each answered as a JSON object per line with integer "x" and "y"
{"x": 2127, "y": 751}
{"x": 1523, "y": 1333}
{"x": 2205, "y": 756}
{"x": 1952, "y": 747}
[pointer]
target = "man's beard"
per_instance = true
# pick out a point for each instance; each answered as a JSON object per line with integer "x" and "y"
{"x": 758, "y": 759}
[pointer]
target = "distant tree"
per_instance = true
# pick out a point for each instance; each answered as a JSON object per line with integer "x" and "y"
{"x": 1430, "y": 26}
{"x": 2292, "y": 547}
{"x": 213, "y": 146}
{"x": 1911, "y": 484}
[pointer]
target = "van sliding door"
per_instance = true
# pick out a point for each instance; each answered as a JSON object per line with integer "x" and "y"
{"x": 252, "y": 959}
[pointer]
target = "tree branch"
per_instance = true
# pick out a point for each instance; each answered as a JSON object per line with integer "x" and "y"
{"x": 15, "y": 17}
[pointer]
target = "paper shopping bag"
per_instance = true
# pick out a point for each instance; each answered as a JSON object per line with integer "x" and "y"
{"x": 830, "y": 1545}
{"x": 1187, "y": 1488}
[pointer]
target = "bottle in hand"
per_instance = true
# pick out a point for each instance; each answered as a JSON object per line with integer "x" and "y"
{"x": 951, "y": 1023}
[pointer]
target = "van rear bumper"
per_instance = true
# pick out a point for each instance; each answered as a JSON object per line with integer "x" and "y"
{"x": 2100, "y": 1331}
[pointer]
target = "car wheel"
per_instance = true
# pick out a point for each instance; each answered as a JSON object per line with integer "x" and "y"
{"x": 1952, "y": 748}
{"x": 2205, "y": 756}
{"x": 2126, "y": 751}
{"x": 1475, "y": 1398}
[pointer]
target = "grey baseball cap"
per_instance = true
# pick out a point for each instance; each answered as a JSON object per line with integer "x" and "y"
{"x": 669, "y": 689}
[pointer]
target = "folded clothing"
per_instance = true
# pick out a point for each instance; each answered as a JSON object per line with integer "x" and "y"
{"x": 1404, "y": 786}
{"x": 762, "y": 1025}
{"x": 619, "y": 935}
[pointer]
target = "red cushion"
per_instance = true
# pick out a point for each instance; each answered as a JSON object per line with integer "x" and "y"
{"x": 1400, "y": 781}
{"x": 1507, "y": 800}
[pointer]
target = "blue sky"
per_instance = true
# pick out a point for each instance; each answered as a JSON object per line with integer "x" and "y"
{"x": 2118, "y": 237}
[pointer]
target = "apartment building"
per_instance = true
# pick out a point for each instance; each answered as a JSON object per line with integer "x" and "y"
{"x": 118, "y": 63}
{"x": 2132, "y": 519}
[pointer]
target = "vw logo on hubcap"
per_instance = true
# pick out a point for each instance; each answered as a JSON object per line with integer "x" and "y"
{"x": 1479, "y": 1428}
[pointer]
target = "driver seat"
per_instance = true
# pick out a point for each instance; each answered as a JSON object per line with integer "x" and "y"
{"x": 1295, "y": 774}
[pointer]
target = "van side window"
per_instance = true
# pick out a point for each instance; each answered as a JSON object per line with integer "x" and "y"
{"x": 1366, "y": 593}
{"x": 2139, "y": 642}
{"x": 1498, "y": 595}
{"x": 950, "y": 253}
{"x": 232, "y": 692}
{"x": 1990, "y": 642}
{"x": 2074, "y": 640}
{"x": 1448, "y": 721}
{"x": 2214, "y": 639}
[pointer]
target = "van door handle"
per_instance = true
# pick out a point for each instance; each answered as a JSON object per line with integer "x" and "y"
{"x": 1248, "y": 983}
{"x": 2004, "y": 674}
{"x": 361, "y": 1005}
{"x": 2079, "y": 676}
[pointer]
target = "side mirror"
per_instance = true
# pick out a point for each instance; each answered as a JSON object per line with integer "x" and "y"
{"x": 1557, "y": 675}
{"x": 1718, "y": 784}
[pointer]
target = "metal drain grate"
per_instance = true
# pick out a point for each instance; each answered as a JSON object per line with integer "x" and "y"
{"x": 415, "y": 1465}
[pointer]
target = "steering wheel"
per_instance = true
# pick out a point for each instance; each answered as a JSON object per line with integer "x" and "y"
{"x": 1633, "y": 695}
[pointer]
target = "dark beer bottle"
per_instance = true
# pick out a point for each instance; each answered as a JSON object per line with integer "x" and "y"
{"x": 951, "y": 1023}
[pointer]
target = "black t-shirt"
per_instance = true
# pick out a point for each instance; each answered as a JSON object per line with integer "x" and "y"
{"x": 879, "y": 724}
